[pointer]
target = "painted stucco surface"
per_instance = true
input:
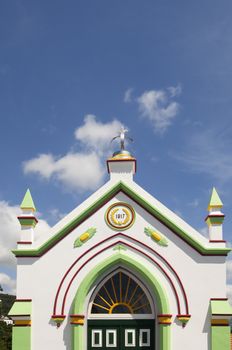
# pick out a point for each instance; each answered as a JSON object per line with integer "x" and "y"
{"x": 189, "y": 279}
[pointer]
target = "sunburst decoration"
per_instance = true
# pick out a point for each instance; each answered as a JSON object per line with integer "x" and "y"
{"x": 121, "y": 294}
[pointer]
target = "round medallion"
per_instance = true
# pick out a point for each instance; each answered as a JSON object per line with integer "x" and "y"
{"x": 120, "y": 216}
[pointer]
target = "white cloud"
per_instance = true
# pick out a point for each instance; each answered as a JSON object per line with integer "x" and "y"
{"x": 158, "y": 107}
{"x": 95, "y": 135}
{"x": 78, "y": 171}
{"x": 204, "y": 154}
{"x": 8, "y": 284}
{"x": 128, "y": 95}
{"x": 175, "y": 90}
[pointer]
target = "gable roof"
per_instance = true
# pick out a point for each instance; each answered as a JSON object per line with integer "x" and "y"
{"x": 158, "y": 213}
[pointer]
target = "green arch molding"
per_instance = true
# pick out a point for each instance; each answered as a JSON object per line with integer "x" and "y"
{"x": 99, "y": 271}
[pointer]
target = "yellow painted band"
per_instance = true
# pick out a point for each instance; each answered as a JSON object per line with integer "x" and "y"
{"x": 80, "y": 322}
{"x": 164, "y": 319}
{"x": 22, "y": 322}
{"x": 220, "y": 321}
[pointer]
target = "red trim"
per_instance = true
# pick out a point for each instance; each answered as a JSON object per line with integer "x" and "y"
{"x": 20, "y": 316}
{"x": 77, "y": 315}
{"x": 23, "y": 299}
{"x": 24, "y": 242}
{"x": 217, "y": 241}
{"x": 220, "y": 325}
{"x": 214, "y": 216}
{"x": 58, "y": 316}
{"x": 100, "y": 206}
{"x": 136, "y": 249}
{"x": 121, "y": 160}
{"x": 221, "y": 314}
{"x": 21, "y": 325}
{"x": 182, "y": 315}
{"x": 27, "y": 217}
{"x": 218, "y": 298}
{"x": 164, "y": 315}
{"x": 135, "y": 240}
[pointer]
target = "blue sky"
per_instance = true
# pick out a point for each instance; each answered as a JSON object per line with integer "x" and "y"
{"x": 72, "y": 72}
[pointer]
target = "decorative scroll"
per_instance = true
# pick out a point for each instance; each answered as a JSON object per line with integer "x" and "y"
{"x": 161, "y": 240}
{"x": 85, "y": 237}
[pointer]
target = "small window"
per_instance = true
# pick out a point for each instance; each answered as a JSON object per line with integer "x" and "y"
{"x": 111, "y": 338}
{"x": 130, "y": 337}
{"x": 144, "y": 337}
{"x": 96, "y": 338}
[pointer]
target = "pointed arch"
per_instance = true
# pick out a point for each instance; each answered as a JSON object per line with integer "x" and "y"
{"x": 119, "y": 259}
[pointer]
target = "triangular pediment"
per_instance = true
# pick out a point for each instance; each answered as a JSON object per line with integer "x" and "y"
{"x": 144, "y": 200}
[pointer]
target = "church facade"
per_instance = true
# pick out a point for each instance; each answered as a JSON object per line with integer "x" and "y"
{"x": 121, "y": 271}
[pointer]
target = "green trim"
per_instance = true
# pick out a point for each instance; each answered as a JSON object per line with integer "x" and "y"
{"x": 20, "y": 308}
{"x": 220, "y": 307}
{"x": 88, "y": 233}
{"x": 156, "y": 237}
{"x": 27, "y": 202}
{"x": 27, "y": 221}
{"x": 220, "y": 338}
{"x": 214, "y": 220}
{"x": 99, "y": 271}
{"x": 21, "y": 338}
{"x": 101, "y": 201}
{"x": 215, "y": 200}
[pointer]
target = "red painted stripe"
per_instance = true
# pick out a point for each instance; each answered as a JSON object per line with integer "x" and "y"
{"x": 217, "y": 241}
{"x": 218, "y": 298}
{"x": 138, "y": 250}
{"x": 23, "y": 299}
{"x": 135, "y": 240}
{"x": 24, "y": 242}
{"x": 100, "y": 206}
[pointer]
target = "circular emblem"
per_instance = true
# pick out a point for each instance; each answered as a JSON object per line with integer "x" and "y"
{"x": 120, "y": 216}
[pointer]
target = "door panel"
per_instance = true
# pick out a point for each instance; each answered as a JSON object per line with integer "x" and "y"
{"x": 121, "y": 334}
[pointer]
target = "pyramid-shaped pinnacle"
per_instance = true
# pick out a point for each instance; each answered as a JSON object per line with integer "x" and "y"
{"x": 215, "y": 200}
{"x": 27, "y": 202}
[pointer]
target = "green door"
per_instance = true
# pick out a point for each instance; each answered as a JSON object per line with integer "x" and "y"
{"x": 121, "y": 334}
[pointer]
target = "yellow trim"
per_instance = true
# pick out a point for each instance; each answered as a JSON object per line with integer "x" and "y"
{"x": 127, "y": 289}
{"x": 215, "y": 322}
{"x": 140, "y": 307}
{"x": 104, "y": 300}
{"x": 133, "y": 293}
{"x": 112, "y": 282}
{"x": 22, "y": 322}
{"x": 125, "y": 304}
{"x": 108, "y": 294}
{"x": 102, "y": 307}
{"x": 78, "y": 319}
{"x": 164, "y": 320}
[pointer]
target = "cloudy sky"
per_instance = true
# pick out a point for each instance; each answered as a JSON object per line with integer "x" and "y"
{"x": 73, "y": 72}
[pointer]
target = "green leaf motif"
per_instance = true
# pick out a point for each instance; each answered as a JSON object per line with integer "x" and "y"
{"x": 156, "y": 236}
{"x": 84, "y": 237}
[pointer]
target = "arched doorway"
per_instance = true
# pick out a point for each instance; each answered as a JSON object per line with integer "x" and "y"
{"x": 121, "y": 314}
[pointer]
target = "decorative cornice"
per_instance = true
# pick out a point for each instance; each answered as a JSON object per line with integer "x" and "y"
{"x": 121, "y": 187}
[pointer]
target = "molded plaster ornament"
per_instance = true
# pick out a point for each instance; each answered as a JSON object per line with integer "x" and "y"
{"x": 85, "y": 237}
{"x": 157, "y": 237}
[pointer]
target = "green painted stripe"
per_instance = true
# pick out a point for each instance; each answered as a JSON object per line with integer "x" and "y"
{"x": 141, "y": 201}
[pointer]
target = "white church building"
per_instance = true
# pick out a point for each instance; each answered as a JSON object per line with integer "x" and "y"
{"x": 121, "y": 271}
